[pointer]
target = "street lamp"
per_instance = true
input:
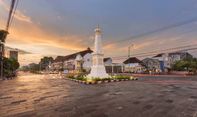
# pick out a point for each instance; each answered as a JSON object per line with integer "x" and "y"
{"x": 129, "y": 54}
{"x": 129, "y": 50}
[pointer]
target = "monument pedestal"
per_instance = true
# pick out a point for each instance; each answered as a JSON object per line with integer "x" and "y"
{"x": 98, "y": 72}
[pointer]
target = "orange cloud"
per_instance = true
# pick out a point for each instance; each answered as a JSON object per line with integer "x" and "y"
{"x": 18, "y": 14}
{"x": 34, "y": 35}
{"x": 142, "y": 45}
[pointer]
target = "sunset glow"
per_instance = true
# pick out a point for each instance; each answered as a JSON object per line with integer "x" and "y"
{"x": 65, "y": 27}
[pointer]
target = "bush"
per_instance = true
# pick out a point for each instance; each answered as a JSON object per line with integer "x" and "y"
{"x": 186, "y": 65}
{"x": 121, "y": 77}
{"x": 70, "y": 75}
{"x": 81, "y": 78}
{"x": 97, "y": 79}
{"x": 78, "y": 76}
{"x": 10, "y": 66}
{"x": 106, "y": 79}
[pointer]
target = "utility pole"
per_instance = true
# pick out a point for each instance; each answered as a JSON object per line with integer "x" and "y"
{"x": 1, "y": 58}
{"x": 129, "y": 54}
{"x": 40, "y": 66}
{"x": 129, "y": 50}
{"x": 4, "y": 33}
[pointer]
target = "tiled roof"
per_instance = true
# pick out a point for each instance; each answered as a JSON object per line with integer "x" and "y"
{"x": 72, "y": 56}
{"x": 172, "y": 53}
{"x": 158, "y": 55}
{"x": 132, "y": 60}
{"x": 59, "y": 59}
{"x": 106, "y": 59}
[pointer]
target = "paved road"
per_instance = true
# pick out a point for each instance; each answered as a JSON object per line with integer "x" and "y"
{"x": 48, "y": 96}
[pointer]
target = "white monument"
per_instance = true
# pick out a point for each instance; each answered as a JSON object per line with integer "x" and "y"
{"x": 98, "y": 68}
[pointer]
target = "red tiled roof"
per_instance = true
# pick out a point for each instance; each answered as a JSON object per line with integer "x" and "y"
{"x": 132, "y": 60}
{"x": 106, "y": 59}
{"x": 158, "y": 55}
{"x": 72, "y": 56}
{"x": 59, "y": 59}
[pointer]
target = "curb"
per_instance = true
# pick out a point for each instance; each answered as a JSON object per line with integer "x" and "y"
{"x": 99, "y": 82}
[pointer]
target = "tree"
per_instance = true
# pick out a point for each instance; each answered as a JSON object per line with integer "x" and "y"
{"x": 10, "y": 66}
{"x": 45, "y": 61}
{"x": 33, "y": 67}
{"x": 186, "y": 65}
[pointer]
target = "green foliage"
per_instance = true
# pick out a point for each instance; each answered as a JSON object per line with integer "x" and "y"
{"x": 32, "y": 67}
{"x": 45, "y": 61}
{"x": 10, "y": 66}
{"x": 106, "y": 79}
{"x": 81, "y": 78}
{"x": 70, "y": 75}
{"x": 121, "y": 77}
{"x": 97, "y": 79}
{"x": 186, "y": 65}
{"x": 78, "y": 76}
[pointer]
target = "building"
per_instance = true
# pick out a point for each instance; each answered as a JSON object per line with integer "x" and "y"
{"x": 112, "y": 67}
{"x": 76, "y": 62}
{"x": 168, "y": 59}
{"x": 13, "y": 54}
{"x": 80, "y": 60}
{"x": 57, "y": 64}
{"x": 153, "y": 65}
{"x": 107, "y": 61}
{"x": 133, "y": 65}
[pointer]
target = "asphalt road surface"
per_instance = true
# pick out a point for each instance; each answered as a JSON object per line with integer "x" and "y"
{"x": 50, "y": 96}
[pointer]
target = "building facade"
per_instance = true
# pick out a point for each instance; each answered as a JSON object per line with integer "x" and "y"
{"x": 168, "y": 59}
{"x": 153, "y": 65}
{"x": 77, "y": 61}
{"x": 80, "y": 61}
{"x": 13, "y": 54}
{"x": 133, "y": 65}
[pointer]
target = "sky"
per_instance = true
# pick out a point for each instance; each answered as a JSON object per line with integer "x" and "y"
{"x": 61, "y": 27}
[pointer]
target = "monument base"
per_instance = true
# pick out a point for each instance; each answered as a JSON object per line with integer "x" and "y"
{"x": 98, "y": 72}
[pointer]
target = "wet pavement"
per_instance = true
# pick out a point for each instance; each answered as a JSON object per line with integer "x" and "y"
{"x": 49, "y": 96}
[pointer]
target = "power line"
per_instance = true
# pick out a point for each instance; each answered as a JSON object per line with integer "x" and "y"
{"x": 182, "y": 48}
{"x": 10, "y": 14}
{"x": 158, "y": 30}
{"x": 17, "y": 2}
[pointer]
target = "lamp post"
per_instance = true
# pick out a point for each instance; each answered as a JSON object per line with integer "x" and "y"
{"x": 129, "y": 54}
{"x": 129, "y": 50}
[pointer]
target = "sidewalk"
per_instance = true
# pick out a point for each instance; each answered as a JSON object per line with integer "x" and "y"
{"x": 164, "y": 75}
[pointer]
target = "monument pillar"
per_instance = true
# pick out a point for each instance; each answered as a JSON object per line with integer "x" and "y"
{"x": 98, "y": 68}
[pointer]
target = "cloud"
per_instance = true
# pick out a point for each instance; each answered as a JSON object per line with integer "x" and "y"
{"x": 19, "y": 50}
{"x": 23, "y": 34}
{"x": 18, "y": 14}
{"x": 35, "y": 36}
{"x": 26, "y": 59}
